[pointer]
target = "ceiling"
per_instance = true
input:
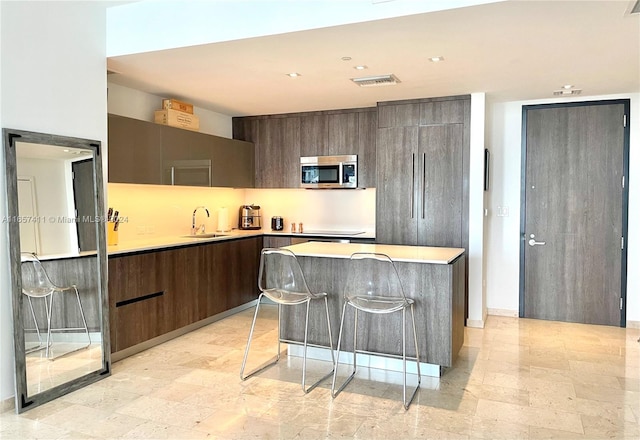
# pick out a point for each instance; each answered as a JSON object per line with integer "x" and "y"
{"x": 514, "y": 50}
{"x": 51, "y": 152}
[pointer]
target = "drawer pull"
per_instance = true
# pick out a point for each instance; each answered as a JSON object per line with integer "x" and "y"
{"x": 138, "y": 299}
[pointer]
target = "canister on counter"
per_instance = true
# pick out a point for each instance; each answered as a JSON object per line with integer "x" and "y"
{"x": 277, "y": 223}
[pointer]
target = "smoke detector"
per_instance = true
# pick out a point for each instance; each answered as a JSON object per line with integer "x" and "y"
{"x": 374, "y": 81}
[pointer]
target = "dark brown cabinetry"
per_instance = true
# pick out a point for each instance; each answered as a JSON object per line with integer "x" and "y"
{"x": 154, "y": 293}
{"x": 144, "y": 152}
{"x": 276, "y": 242}
{"x": 134, "y": 151}
{"x": 278, "y": 153}
{"x": 280, "y": 140}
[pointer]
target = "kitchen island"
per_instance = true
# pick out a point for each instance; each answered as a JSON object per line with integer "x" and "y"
{"x": 432, "y": 276}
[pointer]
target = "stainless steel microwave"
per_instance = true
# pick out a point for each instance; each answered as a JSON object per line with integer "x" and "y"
{"x": 187, "y": 172}
{"x": 329, "y": 172}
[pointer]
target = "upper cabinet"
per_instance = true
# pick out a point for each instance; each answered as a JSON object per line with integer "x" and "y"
{"x": 145, "y": 152}
{"x": 134, "y": 151}
{"x": 280, "y": 140}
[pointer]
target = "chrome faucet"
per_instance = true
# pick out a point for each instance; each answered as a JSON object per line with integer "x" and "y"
{"x": 199, "y": 229}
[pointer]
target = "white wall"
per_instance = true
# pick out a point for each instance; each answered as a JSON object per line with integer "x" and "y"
{"x": 52, "y": 80}
{"x": 504, "y": 124}
{"x": 135, "y": 104}
{"x": 477, "y": 300}
{"x": 52, "y": 202}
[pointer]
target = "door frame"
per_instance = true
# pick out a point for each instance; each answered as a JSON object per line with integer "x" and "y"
{"x": 625, "y": 193}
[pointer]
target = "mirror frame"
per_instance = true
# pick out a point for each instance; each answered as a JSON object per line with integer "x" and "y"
{"x": 10, "y": 136}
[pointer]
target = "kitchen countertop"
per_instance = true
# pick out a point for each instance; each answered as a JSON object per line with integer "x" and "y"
{"x": 156, "y": 243}
{"x": 352, "y": 233}
{"x": 409, "y": 254}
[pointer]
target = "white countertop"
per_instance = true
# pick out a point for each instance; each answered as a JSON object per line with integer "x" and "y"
{"x": 157, "y": 243}
{"x": 353, "y": 233}
{"x": 409, "y": 254}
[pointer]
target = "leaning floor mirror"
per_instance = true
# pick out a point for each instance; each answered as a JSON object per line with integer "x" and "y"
{"x": 55, "y": 213}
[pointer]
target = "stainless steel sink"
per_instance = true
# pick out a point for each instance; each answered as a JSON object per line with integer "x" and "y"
{"x": 212, "y": 235}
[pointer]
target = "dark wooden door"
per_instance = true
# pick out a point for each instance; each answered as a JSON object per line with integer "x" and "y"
{"x": 440, "y": 181}
{"x": 573, "y": 213}
{"x": 85, "y": 201}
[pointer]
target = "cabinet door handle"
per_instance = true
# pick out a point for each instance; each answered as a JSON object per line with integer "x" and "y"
{"x": 413, "y": 180}
{"x": 173, "y": 175}
{"x": 424, "y": 180}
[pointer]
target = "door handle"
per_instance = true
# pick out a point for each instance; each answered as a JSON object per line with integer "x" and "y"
{"x": 413, "y": 180}
{"x": 424, "y": 180}
{"x": 533, "y": 242}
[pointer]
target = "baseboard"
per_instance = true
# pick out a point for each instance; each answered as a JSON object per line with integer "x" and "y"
{"x": 8, "y": 404}
{"x": 119, "y": 355}
{"x": 633, "y": 324}
{"x": 475, "y": 323}
{"x": 503, "y": 312}
{"x": 365, "y": 360}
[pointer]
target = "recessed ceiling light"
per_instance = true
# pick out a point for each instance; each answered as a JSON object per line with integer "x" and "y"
{"x": 66, "y": 150}
{"x": 346, "y": 58}
{"x": 567, "y": 86}
{"x": 436, "y": 59}
{"x": 360, "y": 67}
{"x": 293, "y": 74}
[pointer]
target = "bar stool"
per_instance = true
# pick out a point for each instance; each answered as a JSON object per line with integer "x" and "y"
{"x": 281, "y": 280}
{"x": 37, "y": 284}
{"x": 373, "y": 286}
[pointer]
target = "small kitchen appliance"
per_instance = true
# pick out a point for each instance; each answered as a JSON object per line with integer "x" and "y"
{"x": 325, "y": 172}
{"x": 277, "y": 223}
{"x": 250, "y": 217}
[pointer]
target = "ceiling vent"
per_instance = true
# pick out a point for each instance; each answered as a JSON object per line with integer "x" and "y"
{"x": 565, "y": 92}
{"x": 374, "y": 81}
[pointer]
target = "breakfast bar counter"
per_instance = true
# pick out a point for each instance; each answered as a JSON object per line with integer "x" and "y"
{"x": 432, "y": 276}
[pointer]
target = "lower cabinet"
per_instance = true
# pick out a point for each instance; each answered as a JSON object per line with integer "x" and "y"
{"x": 156, "y": 292}
{"x": 276, "y": 242}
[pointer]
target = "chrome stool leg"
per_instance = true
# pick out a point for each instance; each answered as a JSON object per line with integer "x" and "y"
{"x": 35, "y": 321}
{"x": 334, "y": 393}
{"x": 304, "y": 362}
{"x": 84, "y": 320}
{"x": 246, "y": 351}
{"x": 404, "y": 360}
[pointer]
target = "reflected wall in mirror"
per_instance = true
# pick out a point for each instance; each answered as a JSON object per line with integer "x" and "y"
{"x": 55, "y": 207}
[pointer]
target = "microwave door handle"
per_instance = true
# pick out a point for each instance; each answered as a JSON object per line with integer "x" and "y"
{"x": 340, "y": 173}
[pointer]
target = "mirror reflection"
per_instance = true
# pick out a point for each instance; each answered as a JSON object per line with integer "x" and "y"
{"x": 58, "y": 257}
{"x": 58, "y": 221}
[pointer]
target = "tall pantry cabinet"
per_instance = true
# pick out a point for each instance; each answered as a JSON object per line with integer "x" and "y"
{"x": 422, "y": 158}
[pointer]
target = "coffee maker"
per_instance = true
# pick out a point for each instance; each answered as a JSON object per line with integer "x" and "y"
{"x": 250, "y": 217}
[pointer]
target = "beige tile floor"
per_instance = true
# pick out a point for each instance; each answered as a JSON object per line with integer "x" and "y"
{"x": 515, "y": 379}
{"x": 67, "y": 361}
